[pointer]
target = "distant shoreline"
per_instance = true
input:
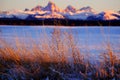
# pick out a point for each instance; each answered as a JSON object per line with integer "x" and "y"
{"x": 60, "y": 22}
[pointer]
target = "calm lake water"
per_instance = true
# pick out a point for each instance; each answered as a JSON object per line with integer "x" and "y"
{"x": 94, "y": 38}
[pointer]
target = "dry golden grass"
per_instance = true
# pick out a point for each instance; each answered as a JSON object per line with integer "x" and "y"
{"x": 50, "y": 59}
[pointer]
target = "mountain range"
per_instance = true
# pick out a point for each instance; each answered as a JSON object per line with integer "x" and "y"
{"x": 51, "y": 11}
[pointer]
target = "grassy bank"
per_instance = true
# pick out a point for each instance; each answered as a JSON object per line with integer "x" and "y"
{"x": 55, "y": 58}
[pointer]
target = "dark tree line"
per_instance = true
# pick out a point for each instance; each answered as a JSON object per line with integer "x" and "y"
{"x": 60, "y": 22}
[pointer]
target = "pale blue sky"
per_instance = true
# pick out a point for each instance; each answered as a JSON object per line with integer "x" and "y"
{"x": 98, "y": 5}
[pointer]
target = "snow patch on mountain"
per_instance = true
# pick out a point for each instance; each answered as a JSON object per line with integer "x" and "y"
{"x": 6, "y": 16}
{"x": 80, "y": 16}
{"x": 49, "y": 15}
{"x": 14, "y": 13}
{"x": 105, "y": 15}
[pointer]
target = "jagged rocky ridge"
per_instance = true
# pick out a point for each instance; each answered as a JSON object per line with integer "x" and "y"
{"x": 51, "y": 10}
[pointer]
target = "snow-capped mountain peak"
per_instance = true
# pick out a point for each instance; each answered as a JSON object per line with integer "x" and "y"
{"x": 110, "y": 15}
{"x": 70, "y": 9}
{"x": 105, "y": 15}
{"x": 53, "y": 11}
{"x": 87, "y": 9}
{"x": 51, "y": 7}
{"x": 37, "y": 8}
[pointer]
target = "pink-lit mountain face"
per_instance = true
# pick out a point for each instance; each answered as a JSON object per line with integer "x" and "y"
{"x": 51, "y": 7}
{"x": 51, "y": 10}
{"x": 37, "y": 8}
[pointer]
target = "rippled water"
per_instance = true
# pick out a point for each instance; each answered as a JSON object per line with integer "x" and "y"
{"x": 94, "y": 38}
